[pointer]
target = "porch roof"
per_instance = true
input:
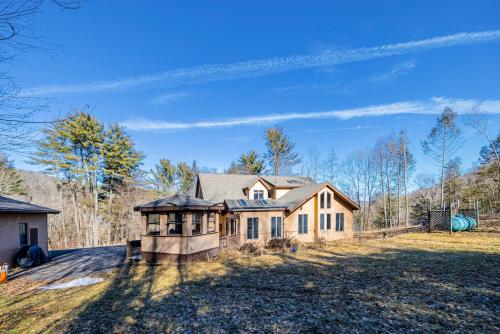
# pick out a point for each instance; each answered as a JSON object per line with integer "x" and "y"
{"x": 177, "y": 202}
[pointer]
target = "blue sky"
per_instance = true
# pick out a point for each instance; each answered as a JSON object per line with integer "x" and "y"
{"x": 194, "y": 80}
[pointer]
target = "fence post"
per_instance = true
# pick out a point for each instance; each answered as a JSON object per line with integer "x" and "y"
{"x": 476, "y": 206}
{"x": 429, "y": 221}
{"x": 449, "y": 220}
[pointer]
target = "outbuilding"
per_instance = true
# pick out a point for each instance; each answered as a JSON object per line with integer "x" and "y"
{"x": 22, "y": 224}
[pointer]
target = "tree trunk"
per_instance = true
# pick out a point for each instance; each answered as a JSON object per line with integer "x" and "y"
{"x": 399, "y": 193}
{"x": 443, "y": 159}
{"x": 76, "y": 219}
{"x": 405, "y": 176}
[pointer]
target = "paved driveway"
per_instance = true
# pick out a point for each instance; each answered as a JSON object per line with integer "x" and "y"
{"x": 71, "y": 263}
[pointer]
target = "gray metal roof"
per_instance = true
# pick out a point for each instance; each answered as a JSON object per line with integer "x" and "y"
{"x": 9, "y": 205}
{"x": 254, "y": 205}
{"x": 220, "y": 187}
{"x": 177, "y": 201}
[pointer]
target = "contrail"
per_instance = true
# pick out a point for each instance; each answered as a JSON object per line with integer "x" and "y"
{"x": 432, "y": 106}
{"x": 254, "y": 68}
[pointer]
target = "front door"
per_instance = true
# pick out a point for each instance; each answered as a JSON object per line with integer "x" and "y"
{"x": 33, "y": 236}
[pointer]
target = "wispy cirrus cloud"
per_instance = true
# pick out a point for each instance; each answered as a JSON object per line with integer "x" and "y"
{"x": 166, "y": 98}
{"x": 341, "y": 88}
{"x": 395, "y": 72}
{"x": 349, "y": 128}
{"x": 254, "y": 68}
{"x": 432, "y": 106}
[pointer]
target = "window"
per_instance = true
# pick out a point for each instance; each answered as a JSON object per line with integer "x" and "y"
{"x": 196, "y": 221}
{"x": 234, "y": 226}
{"x": 153, "y": 221}
{"x": 329, "y": 200}
{"x": 322, "y": 200}
{"x": 302, "y": 224}
{"x": 263, "y": 202}
{"x": 253, "y": 228}
{"x": 321, "y": 221}
{"x": 328, "y": 221}
{"x": 339, "y": 222}
{"x": 242, "y": 202}
{"x": 211, "y": 222}
{"x": 174, "y": 223}
{"x": 276, "y": 227}
{"x": 258, "y": 194}
{"x": 23, "y": 234}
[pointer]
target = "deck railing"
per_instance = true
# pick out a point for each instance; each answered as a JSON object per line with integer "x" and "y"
{"x": 229, "y": 241}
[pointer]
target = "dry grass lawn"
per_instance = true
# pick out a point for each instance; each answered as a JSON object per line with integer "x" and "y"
{"x": 410, "y": 283}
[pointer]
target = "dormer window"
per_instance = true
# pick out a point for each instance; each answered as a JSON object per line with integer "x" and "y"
{"x": 258, "y": 194}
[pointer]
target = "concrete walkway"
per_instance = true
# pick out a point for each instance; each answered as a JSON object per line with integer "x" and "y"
{"x": 74, "y": 263}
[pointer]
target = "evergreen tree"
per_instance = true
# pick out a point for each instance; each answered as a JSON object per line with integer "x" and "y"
{"x": 72, "y": 149}
{"x": 250, "y": 163}
{"x": 185, "y": 178}
{"x": 280, "y": 151}
{"x": 163, "y": 177}
{"x": 11, "y": 183}
{"x": 120, "y": 158}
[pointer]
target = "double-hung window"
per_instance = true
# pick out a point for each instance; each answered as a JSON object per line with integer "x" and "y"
{"x": 252, "y": 228}
{"x": 339, "y": 222}
{"x": 174, "y": 224}
{"x": 196, "y": 221}
{"x": 211, "y": 222}
{"x": 258, "y": 194}
{"x": 328, "y": 221}
{"x": 322, "y": 221}
{"x": 276, "y": 228}
{"x": 328, "y": 200}
{"x": 153, "y": 224}
{"x": 303, "y": 224}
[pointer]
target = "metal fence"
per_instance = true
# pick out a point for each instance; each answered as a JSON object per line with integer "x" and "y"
{"x": 440, "y": 220}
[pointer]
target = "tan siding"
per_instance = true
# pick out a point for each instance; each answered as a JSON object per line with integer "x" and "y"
{"x": 257, "y": 186}
{"x": 292, "y": 222}
{"x": 280, "y": 192}
{"x": 264, "y": 225}
{"x": 9, "y": 233}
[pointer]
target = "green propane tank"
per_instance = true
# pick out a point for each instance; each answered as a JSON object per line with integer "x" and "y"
{"x": 462, "y": 223}
{"x": 456, "y": 223}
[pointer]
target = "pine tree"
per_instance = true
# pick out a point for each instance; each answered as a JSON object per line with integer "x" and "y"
{"x": 11, "y": 183}
{"x": 163, "y": 177}
{"x": 185, "y": 178}
{"x": 280, "y": 151}
{"x": 72, "y": 149}
{"x": 120, "y": 158}
{"x": 251, "y": 163}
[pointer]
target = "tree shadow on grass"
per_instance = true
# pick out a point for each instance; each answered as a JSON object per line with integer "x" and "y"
{"x": 392, "y": 291}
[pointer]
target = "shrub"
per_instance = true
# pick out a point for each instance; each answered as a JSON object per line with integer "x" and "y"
{"x": 252, "y": 248}
{"x": 318, "y": 244}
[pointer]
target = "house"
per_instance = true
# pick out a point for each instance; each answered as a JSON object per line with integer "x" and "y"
{"x": 21, "y": 224}
{"x": 233, "y": 209}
